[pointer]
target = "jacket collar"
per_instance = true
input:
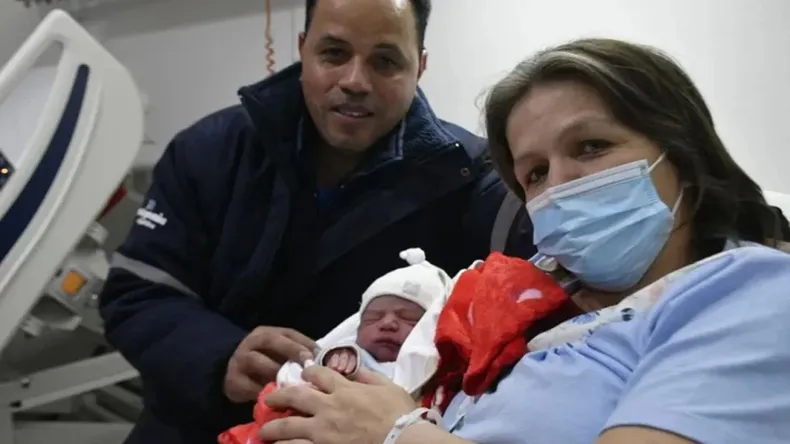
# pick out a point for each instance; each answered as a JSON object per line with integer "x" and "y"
{"x": 276, "y": 107}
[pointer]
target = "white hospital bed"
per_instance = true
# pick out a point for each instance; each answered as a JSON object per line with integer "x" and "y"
{"x": 59, "y": 165}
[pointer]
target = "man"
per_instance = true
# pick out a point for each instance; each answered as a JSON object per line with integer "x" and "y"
{"x": 265, "y": 222}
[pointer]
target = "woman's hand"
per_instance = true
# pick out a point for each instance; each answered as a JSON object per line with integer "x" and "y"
{"x": 339, "y": 411}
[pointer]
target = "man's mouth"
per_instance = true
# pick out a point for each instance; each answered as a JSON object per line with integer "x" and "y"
{"x": 352, "y": 112}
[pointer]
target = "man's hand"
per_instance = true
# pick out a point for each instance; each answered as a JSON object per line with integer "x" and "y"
{"x": 259, "y": 357}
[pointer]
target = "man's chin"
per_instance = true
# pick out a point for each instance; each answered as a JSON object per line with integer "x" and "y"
{"x": 350, "y": 147}
{"x": 350, "y": 142}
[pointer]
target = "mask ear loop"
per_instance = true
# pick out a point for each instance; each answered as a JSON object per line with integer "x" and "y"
{"x": 678, "y": 201}
{"x": 682, "y": 188}
{"x": 660, "y": 158}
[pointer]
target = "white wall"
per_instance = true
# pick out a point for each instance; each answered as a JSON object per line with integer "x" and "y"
{"x": 738, "y": 51}
{"x": 190, "y": 56}
{"x": 16, "y": 23}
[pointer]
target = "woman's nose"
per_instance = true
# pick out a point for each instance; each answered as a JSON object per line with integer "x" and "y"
{"x": 562, "y": 171}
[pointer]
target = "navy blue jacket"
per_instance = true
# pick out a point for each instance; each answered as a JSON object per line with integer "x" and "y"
{"x": 232, "y": 236}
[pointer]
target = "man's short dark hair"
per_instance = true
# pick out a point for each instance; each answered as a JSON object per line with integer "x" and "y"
{"x": 422, "y": 11}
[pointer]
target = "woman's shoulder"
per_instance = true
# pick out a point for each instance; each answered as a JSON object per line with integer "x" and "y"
{"x": 745, "y": 285}
{"x": 733, "y": 259}
{"x": 740, "y": 276}
{"x": 735, "y": 269}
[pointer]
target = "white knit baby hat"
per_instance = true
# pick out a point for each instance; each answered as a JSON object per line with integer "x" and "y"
{"x": 421, "y": 282}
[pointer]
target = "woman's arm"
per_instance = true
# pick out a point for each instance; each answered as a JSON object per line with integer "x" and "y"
{"x": 424, "y": 432}
{"x": 632, "y": 435}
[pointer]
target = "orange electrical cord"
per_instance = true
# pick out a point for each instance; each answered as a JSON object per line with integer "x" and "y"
{"x": 269, "y": 39}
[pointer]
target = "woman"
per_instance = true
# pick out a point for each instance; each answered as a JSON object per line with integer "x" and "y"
{"x": 614, "y": 152}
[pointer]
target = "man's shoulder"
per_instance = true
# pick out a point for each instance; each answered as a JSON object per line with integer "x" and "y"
{"x": 474, "y": 145}
{"x": 214, "y": 145}
{"x": 214, "y": 148}
{"x": 221, "y": 129}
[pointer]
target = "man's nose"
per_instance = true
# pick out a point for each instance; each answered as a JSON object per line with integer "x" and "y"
{"x": 355, "y": 80}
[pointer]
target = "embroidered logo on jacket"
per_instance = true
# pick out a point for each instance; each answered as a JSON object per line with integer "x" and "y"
{"x": 146, "y": 217}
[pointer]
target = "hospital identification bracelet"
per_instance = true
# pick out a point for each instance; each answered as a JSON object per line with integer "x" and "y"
{"x": 405, "y": 421}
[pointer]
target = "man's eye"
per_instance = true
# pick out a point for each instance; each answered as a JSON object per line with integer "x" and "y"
{"x": 333, "y": 53}
{"x": 386, "y": 62}
{"x": 386, "y": 65}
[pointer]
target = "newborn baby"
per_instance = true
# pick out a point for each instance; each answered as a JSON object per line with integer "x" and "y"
{"x": 390, "y": 309}
{"x": 384, "y": 325}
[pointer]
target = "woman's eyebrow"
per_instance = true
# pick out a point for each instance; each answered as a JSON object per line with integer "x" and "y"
{"x": 580, "y": 123}
{"x": 585, "y": 122}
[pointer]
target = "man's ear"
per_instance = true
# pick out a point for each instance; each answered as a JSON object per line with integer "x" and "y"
{"x": 302, "y": 37}
{"x": 423, "y": 63}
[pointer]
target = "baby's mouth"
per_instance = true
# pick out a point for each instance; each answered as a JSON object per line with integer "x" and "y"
{"x": 389, "y": 343}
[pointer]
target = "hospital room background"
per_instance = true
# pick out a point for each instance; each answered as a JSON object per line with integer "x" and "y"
{"x": 188, "y": 58}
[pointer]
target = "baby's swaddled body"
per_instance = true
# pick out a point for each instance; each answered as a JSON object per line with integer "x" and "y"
{"x": 347, "y": 357}
{"x": 390, "y": 309}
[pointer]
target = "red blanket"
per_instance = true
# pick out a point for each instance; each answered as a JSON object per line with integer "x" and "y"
{"x": 248, "y": 433}
{"x": 484, "y": 327}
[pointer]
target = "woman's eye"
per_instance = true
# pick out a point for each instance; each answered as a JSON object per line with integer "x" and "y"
{"x": 594, "y": 146}
{"x": 537, "y": 174}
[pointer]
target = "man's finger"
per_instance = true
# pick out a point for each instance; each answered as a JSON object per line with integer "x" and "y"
{"x": 291, "y": 429}
{"x": 302, "y": 398}
{"x": 323, "y": 378}
{"x": 243, "y": 389}
{"x": 305, "y": 357}
{"x": 367, "y": 376}
{"x": 308, "y": 343}
{"x": 283, "y": 348}
{"x": 259, "y": 367}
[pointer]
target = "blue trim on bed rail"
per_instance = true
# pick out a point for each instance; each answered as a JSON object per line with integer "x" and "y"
{"x": 14, "y": 223}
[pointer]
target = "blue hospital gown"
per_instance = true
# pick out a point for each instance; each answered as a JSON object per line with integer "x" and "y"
{"x": 710, "y": 361}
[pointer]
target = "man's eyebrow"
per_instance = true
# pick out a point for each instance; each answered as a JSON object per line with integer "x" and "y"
{"x": 333, "y": 39}
{"x": 329, "y": 38}
{"x": 388, "y": 47}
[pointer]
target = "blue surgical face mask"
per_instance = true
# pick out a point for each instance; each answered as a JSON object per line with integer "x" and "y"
{"x": 606, "y": 228}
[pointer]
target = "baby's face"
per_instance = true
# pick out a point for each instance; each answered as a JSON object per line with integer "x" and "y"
{"x": 385, "y": 324}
